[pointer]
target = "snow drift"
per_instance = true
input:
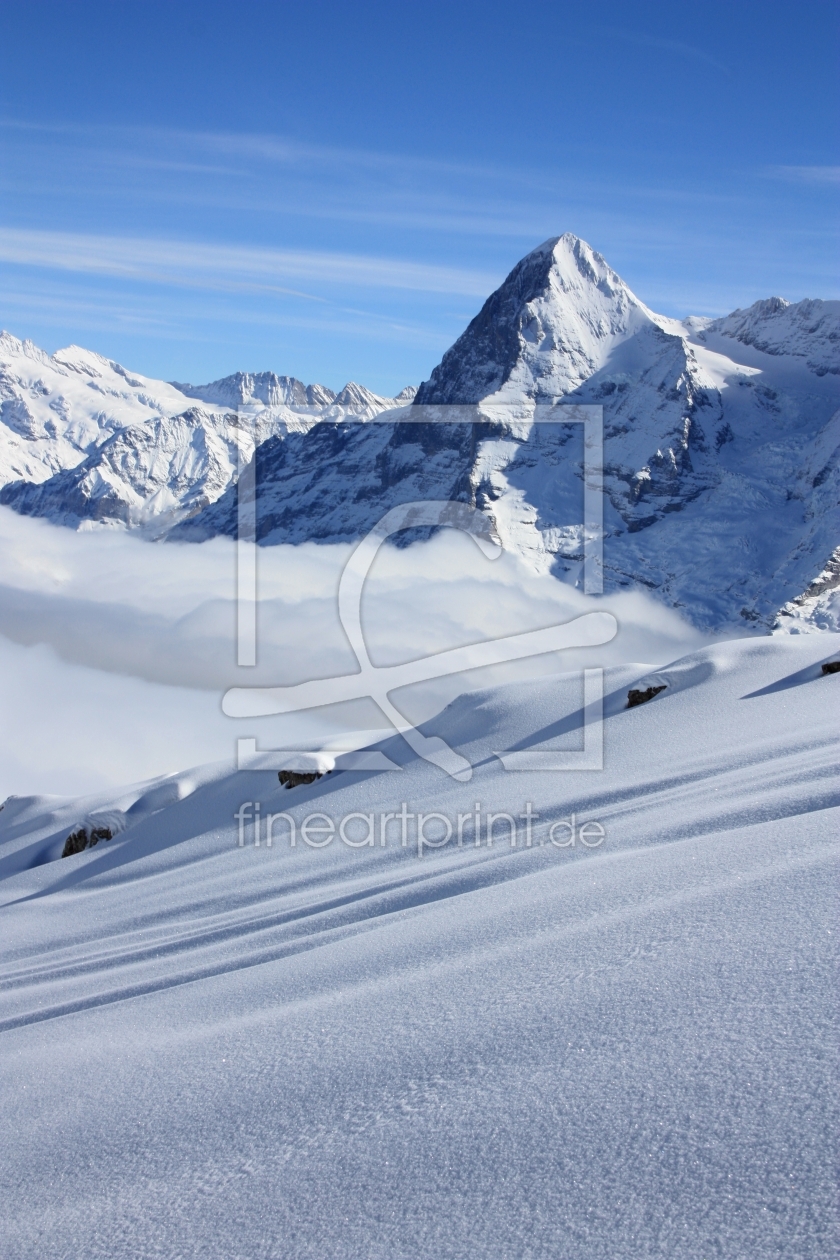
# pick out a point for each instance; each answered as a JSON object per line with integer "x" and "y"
{"x": 549, "y": 1047}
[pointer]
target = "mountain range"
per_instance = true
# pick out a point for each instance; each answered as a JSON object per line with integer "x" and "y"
{"x": 82, "y": 440}
{"x": 720, "y": 463}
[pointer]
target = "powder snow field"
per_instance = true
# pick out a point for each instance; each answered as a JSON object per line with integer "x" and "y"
{"x": 621, "y": 1051}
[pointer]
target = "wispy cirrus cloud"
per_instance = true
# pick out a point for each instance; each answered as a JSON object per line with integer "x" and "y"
{"x": 303, "y": 256}
{"x": 826, "y": 175}
{"x": 346, "y": 191}
{"x": 266, "y": 147}
{"x": 677, "y": 47}
{"x": 260, "y": 174}
{"x": 188, "y": 322}
{"x": 243, "y": 268}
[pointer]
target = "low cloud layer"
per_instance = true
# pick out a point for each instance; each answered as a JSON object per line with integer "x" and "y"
{"x": 115, "y": 652}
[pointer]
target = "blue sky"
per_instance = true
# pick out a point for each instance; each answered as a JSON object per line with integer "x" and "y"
{"x": 331, "y": 190}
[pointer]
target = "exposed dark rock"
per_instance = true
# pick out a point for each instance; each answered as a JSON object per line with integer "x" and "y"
{"x": 79, "y": 840}
{"x": 724, "y": 435}
{"x": 75, "y": 843}
{"x": 635, "y": 696}
{"x": 483, "y": 357}
{"x": 291, "y": 778}
{"x": 831, "y": 667}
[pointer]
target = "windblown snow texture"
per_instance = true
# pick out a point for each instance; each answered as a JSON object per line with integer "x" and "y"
{"x": 489, "y": 1050}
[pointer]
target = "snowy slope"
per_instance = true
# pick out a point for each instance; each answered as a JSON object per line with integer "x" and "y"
{"x": 622, "y": 1050}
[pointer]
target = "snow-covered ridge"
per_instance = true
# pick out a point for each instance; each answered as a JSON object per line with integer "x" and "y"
{"x": 270, "y": 390}
{"x": 808, "y": 329}
{"x": 83, "y": 440}
{"x": 261, "y": 387}
{"x": 55, "y": 409}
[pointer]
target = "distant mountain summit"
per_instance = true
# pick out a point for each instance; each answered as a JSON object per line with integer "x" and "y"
{"x": 721, "y": 467}
{"x": 545, "y": 331}
{"x": 807, "y": 330}
{"x": 260, "y": 387}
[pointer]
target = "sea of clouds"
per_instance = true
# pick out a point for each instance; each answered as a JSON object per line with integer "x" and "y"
{"x": 115, "y": 652}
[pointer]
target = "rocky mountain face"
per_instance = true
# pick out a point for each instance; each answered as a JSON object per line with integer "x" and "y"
{"x": 720, "y": 459}
{"x": 333, "y": 482}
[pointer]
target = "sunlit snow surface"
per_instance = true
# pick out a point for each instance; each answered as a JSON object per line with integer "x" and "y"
{"x": 626, "y": 1051}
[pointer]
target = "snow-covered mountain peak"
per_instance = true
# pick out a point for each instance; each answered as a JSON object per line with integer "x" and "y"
{"x": 809, "y": 329}
{"x": 360, "y": 402}
{"x": 87, "y": 362}
{"x": 574, "y": 263}
{"x": 56, "y": 409}
{"x": 549, "y": 327}
{"x": 248, "y": 388}
{"x": 720, "y": 441}
{"x": 12, "y": 348}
